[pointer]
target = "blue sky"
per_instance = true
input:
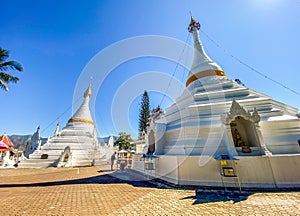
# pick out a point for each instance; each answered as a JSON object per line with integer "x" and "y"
{"x": 55, "y": 40}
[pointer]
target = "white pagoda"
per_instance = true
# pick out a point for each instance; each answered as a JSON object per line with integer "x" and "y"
{"x": 75, "y": 145}
{"x": 33, "y": 144}
{"x": 220, "y": 132}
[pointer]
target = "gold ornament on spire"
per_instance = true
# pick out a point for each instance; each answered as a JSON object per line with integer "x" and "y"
{"x": 193, "y": 24}
{"x": 88, "y": 92}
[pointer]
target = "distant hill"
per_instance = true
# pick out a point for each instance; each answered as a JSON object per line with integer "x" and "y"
{"x": 19, "y": 141}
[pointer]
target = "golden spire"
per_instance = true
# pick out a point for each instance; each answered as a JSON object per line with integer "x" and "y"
{"x": 83, "y": 114}
{"x": 202, "y": 65}
{"x": 88, "y": 92}
{"x": 192, "y": 20}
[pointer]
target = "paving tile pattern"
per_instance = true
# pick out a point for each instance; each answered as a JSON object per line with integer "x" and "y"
{"x": 88, "y": 191}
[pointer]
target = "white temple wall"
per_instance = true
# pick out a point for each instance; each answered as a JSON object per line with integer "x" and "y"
{"x": 191, "y": 171}
{"x": 286, "y": 170}
{"x": 137, "y": 163}
{"x": 253, "y": 171}
{"x": 263, "y": 171}
{"x": 166, "y": 168}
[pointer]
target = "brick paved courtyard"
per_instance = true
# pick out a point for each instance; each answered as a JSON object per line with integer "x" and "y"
{"x": 98, "y": 191}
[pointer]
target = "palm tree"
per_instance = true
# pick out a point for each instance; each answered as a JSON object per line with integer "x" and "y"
{"x": 6, "y": 66}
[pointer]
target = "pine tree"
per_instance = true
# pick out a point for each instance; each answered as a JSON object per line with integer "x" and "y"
{"x": 144, "y": 113}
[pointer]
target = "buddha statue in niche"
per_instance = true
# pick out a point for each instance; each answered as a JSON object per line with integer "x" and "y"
{"x": 238, "y": 141}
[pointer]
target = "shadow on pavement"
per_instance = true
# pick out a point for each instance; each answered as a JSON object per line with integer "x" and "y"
{"x": 105, "y": 176}
{"x": 116, "y": 177}
{"x": 219, "y": 196}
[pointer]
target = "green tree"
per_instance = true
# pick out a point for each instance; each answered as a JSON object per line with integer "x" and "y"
{"x": 5, "y": 66}
{"x": 144, "y": 114}
{"x": 124, "y": 141}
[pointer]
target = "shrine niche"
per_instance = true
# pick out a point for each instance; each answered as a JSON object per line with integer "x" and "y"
{"x": 65, "y": 157}
{"x": 151, "y": 142}
{"x": 243, "y": 127}
{"x": 243, "y": 134}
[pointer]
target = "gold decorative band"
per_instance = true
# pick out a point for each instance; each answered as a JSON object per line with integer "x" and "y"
{"x": 204, "y": 74}
{"x": 81, "y": 120}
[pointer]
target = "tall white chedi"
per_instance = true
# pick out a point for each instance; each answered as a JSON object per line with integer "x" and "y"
{"x": 220, "y": 133}
{"x": 75, "y": 145}
{"x": 216, "y": 115}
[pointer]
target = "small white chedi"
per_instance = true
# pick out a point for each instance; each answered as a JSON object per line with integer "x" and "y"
{"x": 219, "y": 128}
{"x": 34, "y": 143}
{"x": 75, "y": 145}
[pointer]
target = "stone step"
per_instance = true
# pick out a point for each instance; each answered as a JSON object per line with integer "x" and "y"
{"x": 38, "y": 156}
{"x": 44, "y": 163}
{"x": 62, "y": 148}
{"x": 56, "y": 154}
{"x": 37, "y": 163}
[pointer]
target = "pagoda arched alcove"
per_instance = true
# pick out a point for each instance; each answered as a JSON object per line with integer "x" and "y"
{"x": 243, "y": 131}
{"x": 151, "y": 142}
{"x": 65, "y": 158}
{"x": 244, "y": 134}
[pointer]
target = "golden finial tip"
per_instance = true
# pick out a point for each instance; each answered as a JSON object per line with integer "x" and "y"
{"x": 88, "y": 92}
